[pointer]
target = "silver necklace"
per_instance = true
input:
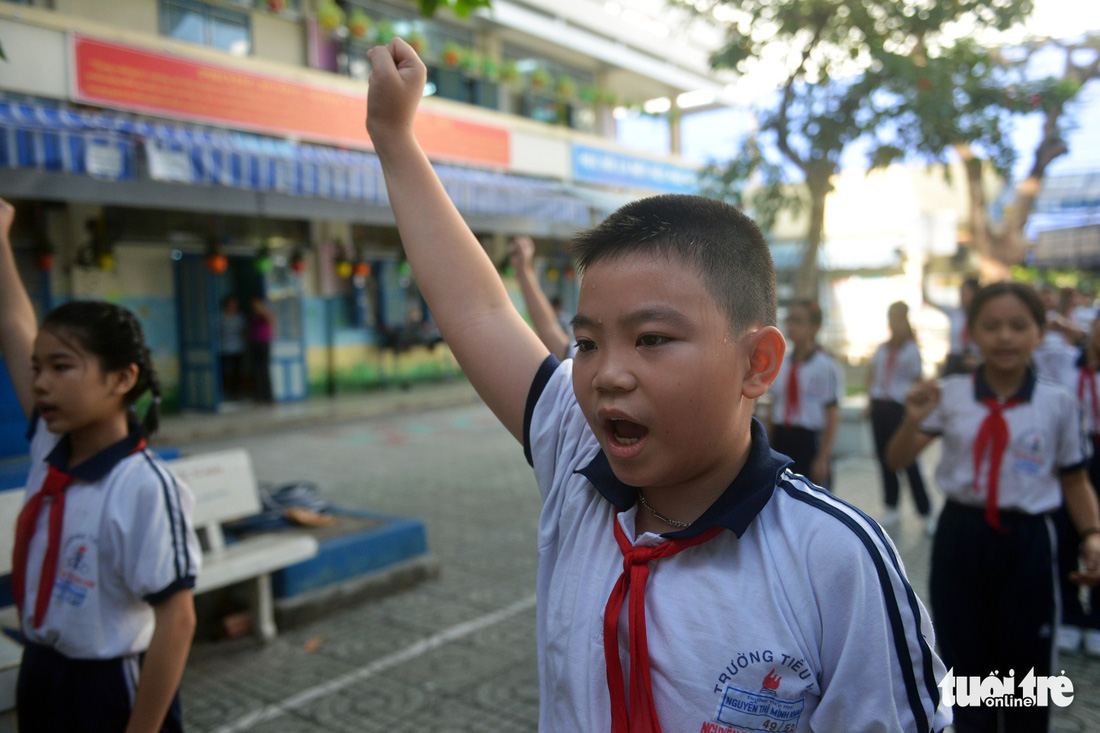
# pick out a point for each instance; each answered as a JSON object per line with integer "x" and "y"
{"x": 666, "y": 520}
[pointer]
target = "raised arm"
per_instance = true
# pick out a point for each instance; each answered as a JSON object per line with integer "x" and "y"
{"x": 550, "y": 332}
{"x": 18, "y": 324}
{"x": 496, "y": 349}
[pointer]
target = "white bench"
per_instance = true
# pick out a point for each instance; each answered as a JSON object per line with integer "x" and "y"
{"x": 225, "y": 490}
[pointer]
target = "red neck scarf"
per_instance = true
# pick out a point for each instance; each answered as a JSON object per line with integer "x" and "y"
{"x": 1087, "y": 380}
{"x": 992, "y": 435}
{"x": 53, "y": 488}
{"x": 790, "y": 409}
{"x": 641, "y": 717}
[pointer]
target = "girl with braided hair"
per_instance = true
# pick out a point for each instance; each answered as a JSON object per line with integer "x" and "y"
{"x": 105, "y": 552}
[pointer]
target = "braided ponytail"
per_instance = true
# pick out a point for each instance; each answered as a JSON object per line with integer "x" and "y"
{"x": 114, "y": 335}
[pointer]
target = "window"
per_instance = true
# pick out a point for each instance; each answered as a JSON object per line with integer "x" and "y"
{"x": 206, "y": 24}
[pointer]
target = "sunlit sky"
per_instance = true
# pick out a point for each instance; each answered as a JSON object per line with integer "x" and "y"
{"x": 716, "y": 134}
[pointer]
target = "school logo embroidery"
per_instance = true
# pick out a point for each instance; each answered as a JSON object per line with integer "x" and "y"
{"x": 75, "y": 578}
{"x": 1028, "y": 453}
{"x": 762, "y": 711}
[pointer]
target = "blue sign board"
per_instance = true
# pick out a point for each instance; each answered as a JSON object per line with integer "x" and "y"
{"x": 593, "y": 165}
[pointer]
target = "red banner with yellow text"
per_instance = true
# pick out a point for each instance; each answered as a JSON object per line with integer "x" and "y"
{"x": 128, "y": 78}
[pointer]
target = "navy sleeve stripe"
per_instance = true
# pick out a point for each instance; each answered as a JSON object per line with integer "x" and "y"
{"x": 542, "y": 377}
{"x": 892, "y": 609}
{"x": 174, "y": 587}
{"x": 179, "y": 549}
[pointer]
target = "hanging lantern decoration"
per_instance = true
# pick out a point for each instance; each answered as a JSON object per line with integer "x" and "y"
{"x": 42, "y": 253}
{"x": 298, "y": 262}
{"x": 216, "y": 261}
{"x": 276, "y": 6}
{"x": 361, "y": 269}
{"x": 263, "y": 260}
{"x": 342, "y": 265}
{"x": 98, "y": 252}
{"x": 358, "y": 23}
{"x": 43, "y": 261}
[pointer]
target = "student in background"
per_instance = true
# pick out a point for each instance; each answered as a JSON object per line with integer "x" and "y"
{"x": 1081, "y": 623}
{"x": 1012, "y": 453}
{"x": 895, "y": 367}
{"x": 545, "y": 316}
{"x": 232, "y": 345}
{"x": 805, "y": 411}
{"x": 962, "y": 355}
{"x": 261, "y": 331}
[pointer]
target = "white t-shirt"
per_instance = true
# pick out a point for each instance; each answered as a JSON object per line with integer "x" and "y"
{"x": 892, "y": 378}
{"x": 819, "y": 387}
{"x": 1046, "y": 439}
{"x": 127, "y": 542}
{"x": 801, "y": 590}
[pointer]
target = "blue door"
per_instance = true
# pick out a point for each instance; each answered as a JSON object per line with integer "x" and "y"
{"x": 283, "y": 290}
{"x": 197, "y": 296}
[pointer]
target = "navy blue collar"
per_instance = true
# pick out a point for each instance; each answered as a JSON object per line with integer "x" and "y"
{"x": 734, "y": 509}
{"x": 983, "y": 391}
{"x": 1082, "y": 358}
{"x": 98, "y": 466}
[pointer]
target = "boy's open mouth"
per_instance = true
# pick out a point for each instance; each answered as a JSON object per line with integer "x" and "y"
{"x": 626, "y": 432}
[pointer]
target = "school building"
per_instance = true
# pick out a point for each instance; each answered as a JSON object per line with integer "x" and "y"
{"x": 164, "y": 154}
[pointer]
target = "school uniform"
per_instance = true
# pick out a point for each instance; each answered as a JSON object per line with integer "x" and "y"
{"x": 780, "y": 608}
{"x": 802, "y": 394}
{"x": 125, "y": 543}
{"x": 992, "y": 582}
{"x": 1085, "y": 384}
{"x": 893, "y": 373}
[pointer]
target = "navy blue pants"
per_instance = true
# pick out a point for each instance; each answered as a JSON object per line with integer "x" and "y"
{"x": 886, "y": 417}
{"x": 993, "y": 606}
{"x": 798, "y": 444}
{"x": 1073, "y": 612}
{"x": 55, "y": 693}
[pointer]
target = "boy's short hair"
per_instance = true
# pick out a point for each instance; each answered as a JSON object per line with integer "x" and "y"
{"x": 725, "y": 246}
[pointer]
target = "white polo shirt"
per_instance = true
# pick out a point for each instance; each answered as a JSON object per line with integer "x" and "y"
{"x": 127, "y": 542}
{"x": 891, "y": 381}
{"x": 803, "y": 591}
{"x": 1088, "y": 397}
{"x": 819, "y": 387}
{"x": 1045, "y": 440}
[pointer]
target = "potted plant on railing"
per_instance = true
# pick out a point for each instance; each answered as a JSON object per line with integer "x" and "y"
{"x": 383, "y": 32}
{"x": 539, "y": 80}
{"x": 565, "y": 89}
{"x": 359, "y": 24}
{"x": 485, "y": 90}
{"x": 419, "y": 43}
{"x": 450, "y": 79}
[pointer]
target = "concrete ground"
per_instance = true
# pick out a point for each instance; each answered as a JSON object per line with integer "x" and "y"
{"x": 456, "y": 653}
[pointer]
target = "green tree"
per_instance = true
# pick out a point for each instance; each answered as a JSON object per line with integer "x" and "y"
{"x": 834, "y": 54}
{"x": 965, "y": 100}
